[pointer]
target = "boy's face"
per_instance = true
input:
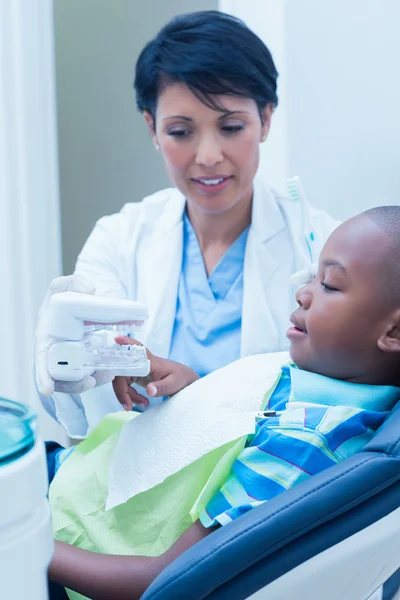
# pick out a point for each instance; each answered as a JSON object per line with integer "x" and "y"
{"x": 343, "y": 312}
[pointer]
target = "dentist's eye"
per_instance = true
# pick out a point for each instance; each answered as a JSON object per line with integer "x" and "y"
{"x": 232, "y": 128}
{"x": 180, "y": 133}
{"x": 328, "y": 288}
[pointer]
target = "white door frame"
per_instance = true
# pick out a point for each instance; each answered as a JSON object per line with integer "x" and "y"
{"x": 30, "y": 233}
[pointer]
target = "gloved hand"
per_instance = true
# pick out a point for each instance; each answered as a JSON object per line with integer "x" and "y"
{"x": 43, "y": 341}
{"x": 166, "y": 378}
{"x": 304, "y": 276}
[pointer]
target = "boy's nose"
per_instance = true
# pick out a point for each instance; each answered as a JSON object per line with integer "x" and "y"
{"x": 304, "y": 297}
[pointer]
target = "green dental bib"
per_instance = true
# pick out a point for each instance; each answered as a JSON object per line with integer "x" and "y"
{"x": 147, "y": 524}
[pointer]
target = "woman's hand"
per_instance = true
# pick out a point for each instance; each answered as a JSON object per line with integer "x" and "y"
{"x": 166, "y": 378}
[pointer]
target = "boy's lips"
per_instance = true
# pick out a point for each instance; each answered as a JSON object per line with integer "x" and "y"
{"x": 297, "y": 331}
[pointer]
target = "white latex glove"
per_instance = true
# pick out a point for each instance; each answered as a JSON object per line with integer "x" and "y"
{"x": 43, "y": 341}
{"x": 304, "y": 276}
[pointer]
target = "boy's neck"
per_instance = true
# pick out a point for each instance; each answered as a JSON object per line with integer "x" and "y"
{"x": 379, "y": 377}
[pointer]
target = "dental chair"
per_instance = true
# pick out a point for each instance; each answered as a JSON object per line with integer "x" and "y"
{"x": 334, "y": 536}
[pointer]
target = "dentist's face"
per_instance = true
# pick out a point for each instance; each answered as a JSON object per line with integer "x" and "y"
{"x": 210, "y": 156}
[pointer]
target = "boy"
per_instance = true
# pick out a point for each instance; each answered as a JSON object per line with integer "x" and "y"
{"x": 345, "y": 342}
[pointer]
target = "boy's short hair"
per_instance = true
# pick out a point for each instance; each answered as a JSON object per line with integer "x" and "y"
{"x": 212, "y": 53}
{"x": 387, "y": 218}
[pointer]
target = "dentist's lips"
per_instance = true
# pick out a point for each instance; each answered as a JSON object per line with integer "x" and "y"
{"x": 296, "y": 332}
{"x": 212, "y": 184}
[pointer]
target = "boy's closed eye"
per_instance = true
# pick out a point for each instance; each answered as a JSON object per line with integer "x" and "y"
{"x": 328, "y": 288}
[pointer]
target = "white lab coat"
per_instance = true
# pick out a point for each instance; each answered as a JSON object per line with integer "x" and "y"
{"x": 137, "y": 254}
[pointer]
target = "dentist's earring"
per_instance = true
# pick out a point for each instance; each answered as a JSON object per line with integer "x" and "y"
{"x": 264, "y": 137}
{"x": 158, "y": 148}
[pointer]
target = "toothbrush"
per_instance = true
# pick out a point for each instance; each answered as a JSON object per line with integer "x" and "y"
{"x": 297, "y": 194}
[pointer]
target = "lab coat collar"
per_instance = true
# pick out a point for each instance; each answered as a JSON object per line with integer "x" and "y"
{"x": 162, "y": 273}
{"x": 174, "y": 210}
{"x": 267, "y": 219}
{"x": 259, "y": 329}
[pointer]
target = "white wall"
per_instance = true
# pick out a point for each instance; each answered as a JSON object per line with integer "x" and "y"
{"x": 344, "y": 98}
{"x": 339, "y": 97}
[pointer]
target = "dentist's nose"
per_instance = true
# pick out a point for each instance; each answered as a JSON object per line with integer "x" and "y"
{"x": 209, "y": 152}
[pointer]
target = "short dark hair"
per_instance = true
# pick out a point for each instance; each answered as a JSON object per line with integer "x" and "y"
{"x": 212, "y": 53}
{"x": 387, "y": 218}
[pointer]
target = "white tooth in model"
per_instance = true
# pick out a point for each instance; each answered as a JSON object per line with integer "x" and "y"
{"x": 80, "y": 322}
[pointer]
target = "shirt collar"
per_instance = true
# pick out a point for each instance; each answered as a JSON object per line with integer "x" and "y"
{"x": 318, "y": 389}
{"x": 267, "y": 219}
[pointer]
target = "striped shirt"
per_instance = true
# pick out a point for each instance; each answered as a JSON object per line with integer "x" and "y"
{"x": 319, "y": 422}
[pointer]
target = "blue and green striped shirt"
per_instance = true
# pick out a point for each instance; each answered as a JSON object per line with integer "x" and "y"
{"x": 318, "y": 422}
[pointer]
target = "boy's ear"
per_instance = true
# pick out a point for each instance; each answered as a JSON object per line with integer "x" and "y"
{"x": 390, "y": 339}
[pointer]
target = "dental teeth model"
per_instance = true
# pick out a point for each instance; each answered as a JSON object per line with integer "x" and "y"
{"x": 82, "y": 323}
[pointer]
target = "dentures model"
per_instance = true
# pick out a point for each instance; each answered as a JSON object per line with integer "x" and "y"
{"x": 82, "y": 322}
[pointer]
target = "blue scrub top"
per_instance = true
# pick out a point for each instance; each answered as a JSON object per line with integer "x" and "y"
{"x": 207, "y": 328}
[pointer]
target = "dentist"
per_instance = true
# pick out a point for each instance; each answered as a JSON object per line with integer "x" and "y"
{"x": 211, "y": 256}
